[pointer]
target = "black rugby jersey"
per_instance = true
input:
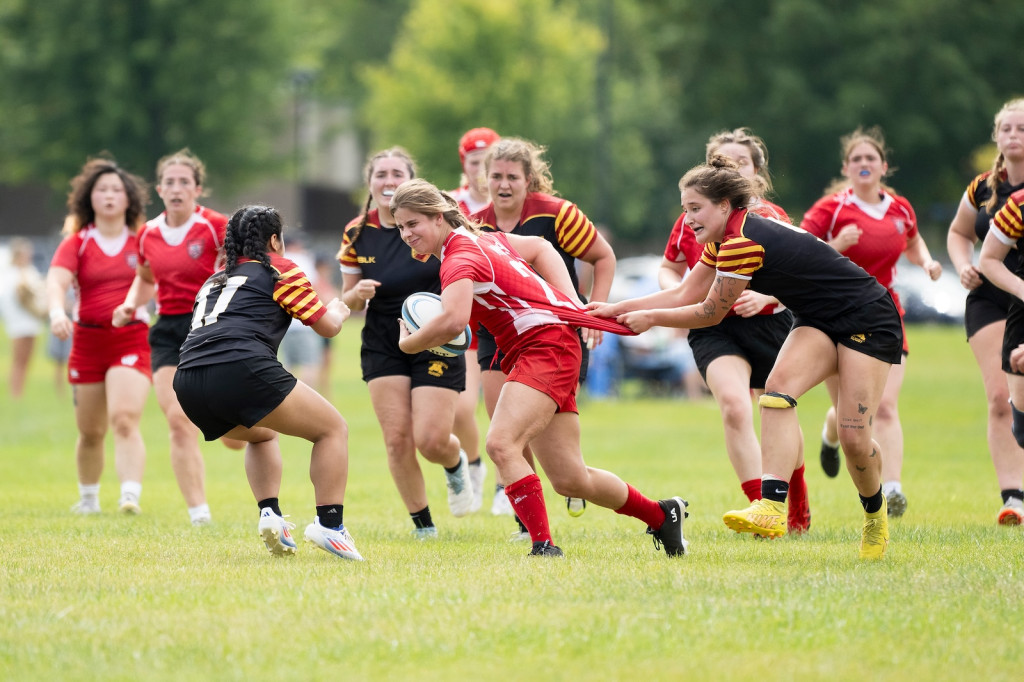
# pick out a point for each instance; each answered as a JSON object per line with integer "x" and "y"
{"x": 978, "y": 192}
{"x": 379, "y": 253}
{"x": 807, "y": 275}
{"x": 247, "y": 316}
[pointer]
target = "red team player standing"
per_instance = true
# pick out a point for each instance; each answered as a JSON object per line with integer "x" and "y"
{"x": 483, "y": 276}
{"x": 873, "y": 226}
{"x": 109, "y": 367}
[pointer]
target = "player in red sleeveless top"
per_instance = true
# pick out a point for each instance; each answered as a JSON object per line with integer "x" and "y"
{"x": 178, "y": 251}
{"x": 987, "y": 305}
{"x": 108, "y": 367}
{"x": 871, "y": 225}
{"x": 736, "y": 356}
{"x": 845, "y": 323}
{"x": 532, "y": 318}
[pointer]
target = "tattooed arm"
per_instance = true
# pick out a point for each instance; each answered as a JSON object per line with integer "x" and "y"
{"x": 707, "y": 313}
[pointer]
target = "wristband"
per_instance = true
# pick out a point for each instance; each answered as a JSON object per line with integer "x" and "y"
{"x": 56, "y": 313}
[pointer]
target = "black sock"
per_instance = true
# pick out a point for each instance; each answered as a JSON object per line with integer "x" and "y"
{"x": 774, "y": 489}
{"x": 873, "y": 503}
{"x": 1011, "y": 492}
{"x": 452, "y": 470}
{"x": 522, "y": 526}
{"x": 476, "y": 462}
{"x": 421, "y": 519}
{"x": 330, "y": 515}
{"x": 271, "y": 503}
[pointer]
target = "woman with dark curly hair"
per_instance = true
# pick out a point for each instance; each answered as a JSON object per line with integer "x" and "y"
{"x": 108, "y": 367}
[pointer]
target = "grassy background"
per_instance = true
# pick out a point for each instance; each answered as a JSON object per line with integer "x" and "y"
{"x": 150, "y": 597}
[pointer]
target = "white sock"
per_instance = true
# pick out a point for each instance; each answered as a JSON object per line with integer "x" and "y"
{"x": 201, "y": 511}
{"x": 89, "y": 492}
{"x": 133, "y": 488}
{"x": 890, "y": 487}
{"x": 825, "y": 440}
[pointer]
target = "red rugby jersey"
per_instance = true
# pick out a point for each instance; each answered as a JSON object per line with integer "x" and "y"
{"x": 182, "y": 258}
{"x": 509, "y": 298}
{"x": 104, "y": 269}
{"x": 886, "y": 228}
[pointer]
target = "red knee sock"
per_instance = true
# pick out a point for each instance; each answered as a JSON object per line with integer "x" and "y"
{"x": 644, "y": 508}
{"x": 798, "y": 488}
{"x": 527, "y": 498}
{"x": 752, "y": 489}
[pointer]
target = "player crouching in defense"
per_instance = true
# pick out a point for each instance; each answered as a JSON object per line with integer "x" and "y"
{"x": 846, "y": 324}
{"x": 488, "y": 276}
{"x": 230, "y": 382}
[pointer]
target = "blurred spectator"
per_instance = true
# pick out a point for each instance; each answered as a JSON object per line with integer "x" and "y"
{"x": 301, "y": 349}
{"x": 23, "y": 305}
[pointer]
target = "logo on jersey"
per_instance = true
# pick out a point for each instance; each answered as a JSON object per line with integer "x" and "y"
{"x": 436, "y": 368}
{"x": 129, "y": 360}
{"x": 195, "y": 248}
{"x": 900, "y": 225}
{"x": 857, "y": 338}
{"x": 366, "y": 259}
{"x": 132, "y": 259}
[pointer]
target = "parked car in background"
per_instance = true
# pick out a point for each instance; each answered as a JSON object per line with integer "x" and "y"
{"x": 660, "y": 358}
{"x": 942, "y": 301}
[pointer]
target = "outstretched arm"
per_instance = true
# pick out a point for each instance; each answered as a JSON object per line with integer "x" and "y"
{"x": 711, "y": 311}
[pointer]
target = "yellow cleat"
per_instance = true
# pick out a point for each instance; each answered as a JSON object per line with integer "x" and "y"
{"x": 764, "y": 517}
{"x": 874, "y": 539}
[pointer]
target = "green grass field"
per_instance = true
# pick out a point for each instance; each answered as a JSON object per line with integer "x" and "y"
{"x": 151, "y": 598}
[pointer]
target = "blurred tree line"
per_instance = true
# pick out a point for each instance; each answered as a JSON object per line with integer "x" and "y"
{"x": 624, "y": 93}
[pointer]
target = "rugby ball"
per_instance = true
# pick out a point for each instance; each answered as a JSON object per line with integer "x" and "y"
{"x": 420, "y": 308}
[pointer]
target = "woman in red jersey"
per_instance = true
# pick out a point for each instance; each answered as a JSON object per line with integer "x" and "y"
{"x": 870, "y": 224}
{"x": 736, "y": 356}
{"x": 845, "y": 324}
{"x": 178, "y": 251}
{"x": 109, "y": 367}
{"x": 488, "y": 277}
{"x": 987, "y": 304}
{"x": 523, "y": 202}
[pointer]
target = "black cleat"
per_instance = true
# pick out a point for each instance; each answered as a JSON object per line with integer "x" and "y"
{"x": 830, "y": 459}
{"x": 546, "y": 549}
{"x": 670, "y": 535}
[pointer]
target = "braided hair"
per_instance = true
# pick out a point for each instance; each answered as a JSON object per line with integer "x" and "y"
{"x": 248, "y": 233}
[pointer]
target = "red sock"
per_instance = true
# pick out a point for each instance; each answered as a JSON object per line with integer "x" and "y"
{"x": 643, "y": 508}
{"x": 752, "y": 489}
{"x": 527, "y": 498}
{"x": 798, "y": 488}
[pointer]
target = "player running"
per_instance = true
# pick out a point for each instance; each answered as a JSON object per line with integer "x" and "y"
{"x": 488, "y": 276}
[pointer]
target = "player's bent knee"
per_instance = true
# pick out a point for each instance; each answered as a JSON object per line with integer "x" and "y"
{"x": 776, "y": 400}
{"x": 1018, "y": 425}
